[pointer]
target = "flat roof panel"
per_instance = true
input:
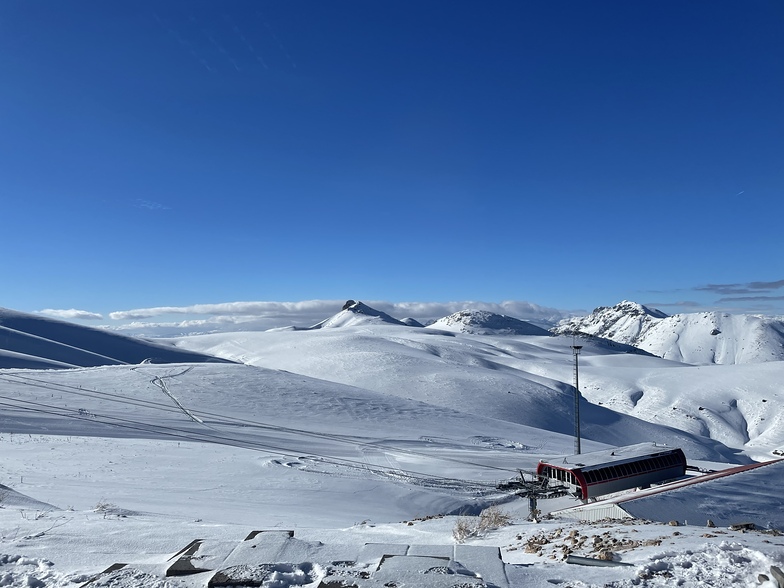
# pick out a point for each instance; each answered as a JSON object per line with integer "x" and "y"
{"x": 592, "y": 459}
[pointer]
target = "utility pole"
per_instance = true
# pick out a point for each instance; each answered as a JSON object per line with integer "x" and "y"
{"x": 576, "y": 353}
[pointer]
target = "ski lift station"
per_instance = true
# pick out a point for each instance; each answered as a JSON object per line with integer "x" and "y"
{"x": 594, "y": 474}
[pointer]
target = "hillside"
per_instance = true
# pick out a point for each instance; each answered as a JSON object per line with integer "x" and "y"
{"x": 519, "y": 379}
{"x": 32, "y": 341}
{"x": 218, "y": 452}
{"x": 694, "y": 338}
{"x": 367, "y": 432}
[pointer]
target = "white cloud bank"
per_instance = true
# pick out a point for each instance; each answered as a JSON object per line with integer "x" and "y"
{"x": 262, "y": 315}
{"x": 258, "y": 309}
{"x": 71, "y": 314}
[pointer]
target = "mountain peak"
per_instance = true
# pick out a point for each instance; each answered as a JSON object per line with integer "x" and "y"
{"x": 356, "y": 312}
{"x": 634, "y": 309}
{"x": 358, "y": 307}
{"x": 624, "y": 322}
{"x": 483, "y": 322}
{"x": 697, "y": 338}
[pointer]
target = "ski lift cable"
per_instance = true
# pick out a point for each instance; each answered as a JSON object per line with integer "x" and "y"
{"x": 232, "y": 420}
{"x": 196, "y": 436}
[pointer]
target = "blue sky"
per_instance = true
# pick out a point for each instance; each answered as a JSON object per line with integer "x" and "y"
{"x": 571, "y": 154}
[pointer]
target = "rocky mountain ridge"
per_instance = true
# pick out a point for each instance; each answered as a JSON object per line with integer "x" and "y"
{"x": 694, "y": 338}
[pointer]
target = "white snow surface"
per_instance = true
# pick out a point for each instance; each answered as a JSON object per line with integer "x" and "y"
{"x": 373, "y": 433}
{"x": 34, "y": 341}
{"x": 697, "y": 338}
{"x": 482, "y": 322}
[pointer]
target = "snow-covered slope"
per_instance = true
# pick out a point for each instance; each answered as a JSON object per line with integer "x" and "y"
{"x": 521, "y": 379}
{"x": 31, "y": 341}
{"x": 738, "y": 405}
{"x": 365, "y": 434}
{"x": 482, "y": 322}
{"x": 696, "y": 338}
{"x": 714, "y": 337}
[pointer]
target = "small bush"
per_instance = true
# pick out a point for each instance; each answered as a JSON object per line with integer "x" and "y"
{"x": 464, "y": 529}
{"x": 489, "y": 519}
{"x": 493, "y": 518}
{"x": 106, "y": 508}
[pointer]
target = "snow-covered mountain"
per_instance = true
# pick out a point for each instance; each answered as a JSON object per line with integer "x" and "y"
{"x": 695, "y": 338}
{"x": 354, "y": 313}
{"x": 369, "y": 432}
{"x": 482, "y": 322}
{"x": 32, "y": 341}
{"x": 523, "y": 381}
{"x": 625, "y": 322}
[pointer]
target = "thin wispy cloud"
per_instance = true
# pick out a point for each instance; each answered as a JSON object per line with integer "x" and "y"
{"x": 751, "y": 299}
{"x": 222, "y": 50}
{"x": 248, "y": 45}
{"x": 71, "y": 314}
{"x": 730, "y": 295}
{"x": 686, "y": 304}
{"x": 275, "y": 38}
{"x": 742, "y": 288}
{"x": 186, "y": 45}
{"x": 150, "y": 205}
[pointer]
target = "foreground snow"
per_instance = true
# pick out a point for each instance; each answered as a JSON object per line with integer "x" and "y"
{"x": 68, "y": 548}
{"x": 366, "y": 434}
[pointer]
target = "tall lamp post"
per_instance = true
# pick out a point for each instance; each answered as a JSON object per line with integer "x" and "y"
{"x": 576, "y": 353}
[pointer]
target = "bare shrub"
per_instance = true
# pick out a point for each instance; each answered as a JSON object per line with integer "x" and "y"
{"x": 488, "y": 520}
{"x": 37, "y": 515}
{"x": 493, "y": 518}
{"x": 465, "y": 528}
{"x": 104, "y": 507}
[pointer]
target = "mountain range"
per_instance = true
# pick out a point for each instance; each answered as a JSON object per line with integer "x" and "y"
{"x": 492, "y": 365}
{"x": 696, "y": 338}
{"x": 33, "y": 341}
{"x": 371, "y": 430}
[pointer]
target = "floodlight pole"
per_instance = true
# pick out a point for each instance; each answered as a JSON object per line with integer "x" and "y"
{"x": 576, "y": 353}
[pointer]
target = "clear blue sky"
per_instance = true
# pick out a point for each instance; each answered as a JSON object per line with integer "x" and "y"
{"x": 570, "y": 153}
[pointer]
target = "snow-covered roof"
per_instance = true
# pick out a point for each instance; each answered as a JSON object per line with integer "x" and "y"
{"x": 608, "y": 456}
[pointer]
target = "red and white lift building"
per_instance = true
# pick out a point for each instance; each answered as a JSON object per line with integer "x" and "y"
{"x": 598, "y": 473}
{"x": 629, "y": 482}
